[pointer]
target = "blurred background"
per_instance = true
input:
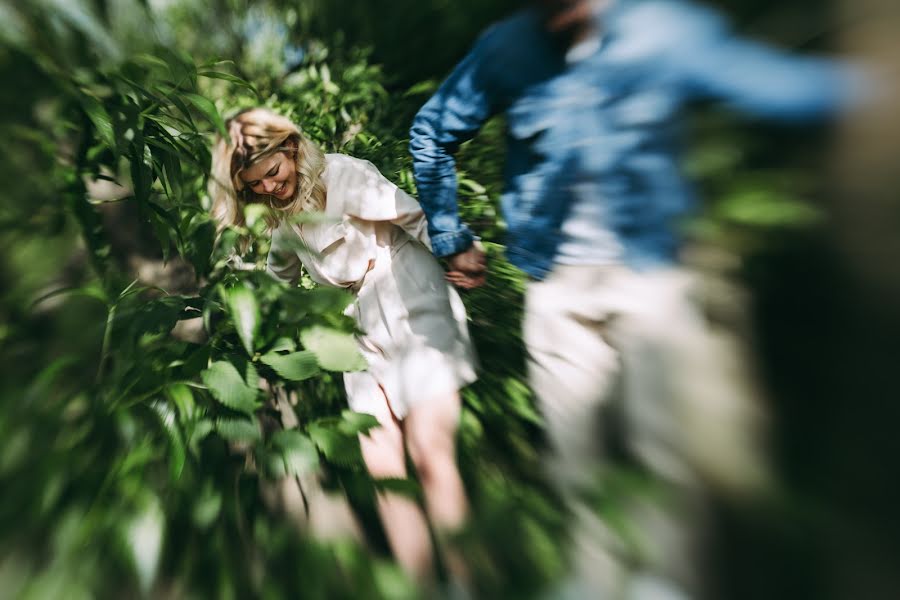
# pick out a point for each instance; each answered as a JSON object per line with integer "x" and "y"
{"x": 138, "y": 456}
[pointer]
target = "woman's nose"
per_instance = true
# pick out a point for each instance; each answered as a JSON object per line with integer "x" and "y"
{"x": 268, "y": 185}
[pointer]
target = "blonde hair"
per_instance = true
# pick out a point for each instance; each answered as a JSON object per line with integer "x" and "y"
{"x": 255, "y": 134}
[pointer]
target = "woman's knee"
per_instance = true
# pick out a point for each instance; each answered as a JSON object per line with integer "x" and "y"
{"x": 431, "y": 440}
{"x": 382, "y": 450}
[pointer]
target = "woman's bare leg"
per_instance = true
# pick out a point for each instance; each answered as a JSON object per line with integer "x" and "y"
{"x": 402, "y": 518}
{"x": 430, "y": 430}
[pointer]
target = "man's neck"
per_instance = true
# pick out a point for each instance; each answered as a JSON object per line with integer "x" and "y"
{"x": 577, "y": 22}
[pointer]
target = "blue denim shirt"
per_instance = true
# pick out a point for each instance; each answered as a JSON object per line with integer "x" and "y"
{"x": 608, "y": 119}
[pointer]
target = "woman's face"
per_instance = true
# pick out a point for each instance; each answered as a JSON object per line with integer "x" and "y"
{"x": 275, "y": 175}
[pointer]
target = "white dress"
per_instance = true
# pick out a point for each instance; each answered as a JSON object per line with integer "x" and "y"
{"x": 375, "y": 244}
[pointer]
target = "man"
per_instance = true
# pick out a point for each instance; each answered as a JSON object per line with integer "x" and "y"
{"x": 591, "y": 93}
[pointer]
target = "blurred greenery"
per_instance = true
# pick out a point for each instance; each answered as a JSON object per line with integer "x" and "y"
{"x": 140, "y": 364}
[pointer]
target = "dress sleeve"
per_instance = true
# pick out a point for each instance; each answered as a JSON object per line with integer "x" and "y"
{"x": 370, "y": 196}
{"x": 282, "y": 263}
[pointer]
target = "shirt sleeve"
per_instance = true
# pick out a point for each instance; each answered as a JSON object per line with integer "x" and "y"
{"x": 371, "y": 196}
{"x": 282, "y": 262}
{"x": 755, "y": 78}
{"x": 452, "y": 116}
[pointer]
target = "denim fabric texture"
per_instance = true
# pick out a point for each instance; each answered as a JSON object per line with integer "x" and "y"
{"x": 608, "y": 119}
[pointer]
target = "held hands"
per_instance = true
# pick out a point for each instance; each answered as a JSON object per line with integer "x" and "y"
{"x": 468, "y": 269}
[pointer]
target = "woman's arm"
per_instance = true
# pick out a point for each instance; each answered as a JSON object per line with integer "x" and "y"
{"x": 282, "y": 263}
{"x": 373, "y": 197}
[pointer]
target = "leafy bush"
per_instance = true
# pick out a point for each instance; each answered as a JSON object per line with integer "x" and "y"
{"x": 144, "y": 369}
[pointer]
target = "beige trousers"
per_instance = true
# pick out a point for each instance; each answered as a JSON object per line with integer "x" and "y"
{"x": 602, "y": 337}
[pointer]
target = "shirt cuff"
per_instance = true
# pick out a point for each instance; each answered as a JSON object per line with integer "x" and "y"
{"x": 451, "y": 242}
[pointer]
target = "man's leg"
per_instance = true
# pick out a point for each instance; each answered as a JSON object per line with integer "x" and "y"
{"x": 689, "y": 418}
{"x": 572, "y": 371}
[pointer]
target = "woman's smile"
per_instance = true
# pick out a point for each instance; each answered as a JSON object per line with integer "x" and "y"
{"x": 274, "y": 176}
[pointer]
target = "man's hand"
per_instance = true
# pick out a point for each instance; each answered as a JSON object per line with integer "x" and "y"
{"x": 468, "y": 269}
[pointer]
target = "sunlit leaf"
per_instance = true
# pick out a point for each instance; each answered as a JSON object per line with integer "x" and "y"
{"x": 228, "y": 387}
{"x": 297, "y": 450}
{"x": 337, "y": 446}
{"x": 207, "y": 507}
{"x": 283, "y": 345}
{"x": 101, "y": 120}
{"x": 296, "y": 366}
{"x": 335, "y": 350}
{"x": 209, "y": 110}
{"x": 230, "y": 78}
{"x": 354, "y": 422}
{"x": 150, "y": 60}
{"x": 423, "y": 87}
{"x": 202, "y": 429}
{"x": 320, "y": 300}
{"x": 238, "y": 430}
{"x": 764, "y": 208}
{"x": 244, "y": 312}
{"x": 177, "y": 451}
{"x": 145, "y": 537}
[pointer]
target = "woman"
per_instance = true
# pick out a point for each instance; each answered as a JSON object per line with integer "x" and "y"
{"x": 373, "y": 242}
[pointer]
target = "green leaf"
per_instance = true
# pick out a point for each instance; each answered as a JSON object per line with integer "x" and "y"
{"x": 141, "y": 172}
{"x": 101, "y": 120}
{"x": 209, "y": 110}
{"x": 208, "y": 507}
{"x": 296, "y": 366}
{"x": 150, "y": 61}
{"x": 183, "y": 399}
{"x": 338, "y": 447}
{"x": 251, "y": 375}
{"x": 202, "y": 429}
{"x": 765, "y": 208}
{"x": 239, "y": 430}
{"x": 202, "y": 241}
{"x": 144, "y": 534}
{"x": 297, "y": 450}
{"x": 158, "y": 315}
{"x": 255, "y": 214}
{"x": 423, "y": 87}
{"x": 245, "y": 314}
{"x": 335, "y": 350}
{"x": 283, "y": 344}
{"x": 228, "y": 387}
{"x": 230, "y": 78}
{"x": 177, "y": 451}
{"x": 320, "y": 300}
{"x": 91, "y": 290}
{"x": 405, "y": 487}
{"x": 270, "y": 462}
{"x": 472, "y": 185}
{"x": 354, "y": 422}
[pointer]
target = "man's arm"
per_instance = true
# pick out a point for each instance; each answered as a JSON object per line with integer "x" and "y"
{"x": 752, "y": 77}
{"x": 453, "y": 115}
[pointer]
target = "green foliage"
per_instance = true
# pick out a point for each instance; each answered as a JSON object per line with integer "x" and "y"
{"x": 141, "y": 362}
{"x": 334, "y": 350}
{"x": 228, "y": 387}
{"x": 295, "y": 366}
